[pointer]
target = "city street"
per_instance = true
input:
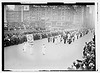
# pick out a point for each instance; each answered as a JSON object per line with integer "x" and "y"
{"x": 57, "y": 56}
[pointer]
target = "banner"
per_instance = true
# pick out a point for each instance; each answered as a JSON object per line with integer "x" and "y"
{"x": 29, "y": 38}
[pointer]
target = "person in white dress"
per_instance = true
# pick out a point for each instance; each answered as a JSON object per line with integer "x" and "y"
{"x": 43, "y": 49}
{"x": 56, "y": 40}
{"x": 59, "y": 38}
{"x": 75, "y": 37}
{"x": 68, "y": 35}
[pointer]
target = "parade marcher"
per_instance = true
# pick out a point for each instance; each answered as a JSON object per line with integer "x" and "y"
{"x": 56, "y": 40}
{"x": 48, "y": 39}
{"x": 59, "y": 37}
{"x": 64, "y": 40}
{"x": 68, "y": 35}
{"x": 75, "y": 37}
{"x": 53, "y": 39}
{"x": 43, "y": 49}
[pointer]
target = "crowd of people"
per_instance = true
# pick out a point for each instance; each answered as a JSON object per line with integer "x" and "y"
{"x": 64, "y": 36}
{"x": 14, "y": 39}
{"x": 55, "y": 37}
{"x": 88, "y": 62}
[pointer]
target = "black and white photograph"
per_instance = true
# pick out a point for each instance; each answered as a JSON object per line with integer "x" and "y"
{"x": 52, "y": 36}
